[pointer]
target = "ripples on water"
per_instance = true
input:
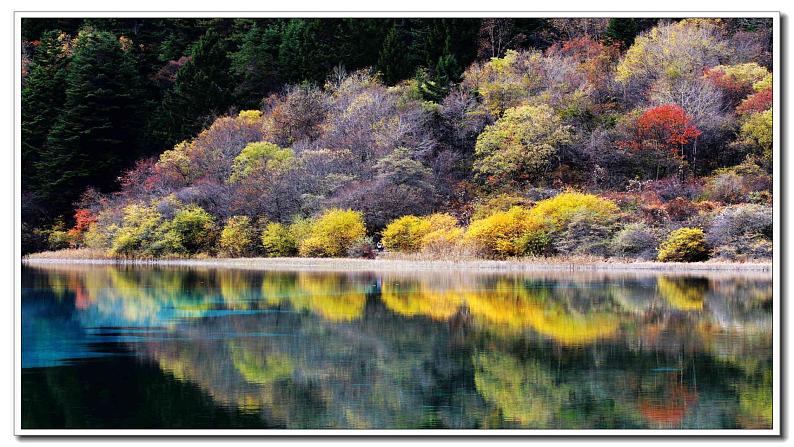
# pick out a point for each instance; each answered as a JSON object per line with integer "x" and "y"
{"x": 147, "y": 347}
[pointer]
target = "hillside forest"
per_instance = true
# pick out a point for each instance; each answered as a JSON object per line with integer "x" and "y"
{"x": 447, "y": 138}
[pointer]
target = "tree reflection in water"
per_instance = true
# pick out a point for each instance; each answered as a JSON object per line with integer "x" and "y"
{"x": 399, "y": 350}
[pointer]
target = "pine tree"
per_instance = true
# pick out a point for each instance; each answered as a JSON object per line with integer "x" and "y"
{"x": 254, "y": 64}
{"x": 621, "y": 31}
{"x": 202, "y": 90}
{"x": 361, "y": 41}
{"x": 447, "y": 71}
{"x": 307, "y": 52}
{"x": 96, "y": 131}
{"x": 42, "y": 97}
{"x": 393, "y": 60}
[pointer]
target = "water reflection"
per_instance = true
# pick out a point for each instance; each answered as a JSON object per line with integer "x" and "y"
{"x": 393, "y": 350}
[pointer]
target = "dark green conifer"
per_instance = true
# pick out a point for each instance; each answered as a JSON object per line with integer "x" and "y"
{"x": 96, "y": 131}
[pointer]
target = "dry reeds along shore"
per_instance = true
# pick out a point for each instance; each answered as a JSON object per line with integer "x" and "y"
{"x": 403, "y": 262}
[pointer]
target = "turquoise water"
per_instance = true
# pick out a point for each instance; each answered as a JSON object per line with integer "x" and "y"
{"x": 154, "y": 347}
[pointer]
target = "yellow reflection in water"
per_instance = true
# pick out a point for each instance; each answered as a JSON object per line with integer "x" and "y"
{"x": 755, "y": 402}
{"x": 507, "y": 306}
{"x": 330, "y": 296}
{"x": 524, "y": 393}
{"x": 262, "y": 368}
{"x": 681, "y": 294}
{"x": 180, "y": 367}
{"x": 412, "y": 299}
{"x": 237, "y": 290}
{"x": 522, "y": 308}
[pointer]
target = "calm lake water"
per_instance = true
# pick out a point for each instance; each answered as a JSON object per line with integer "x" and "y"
{"x": 156, "y": 347}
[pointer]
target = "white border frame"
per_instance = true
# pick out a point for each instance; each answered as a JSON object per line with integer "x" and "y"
{"x": 776, "y": 309}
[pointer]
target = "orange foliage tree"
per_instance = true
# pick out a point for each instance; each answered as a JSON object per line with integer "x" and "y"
{"x": 665, "y": 128}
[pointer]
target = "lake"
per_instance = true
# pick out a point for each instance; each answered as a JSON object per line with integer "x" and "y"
{"x": 176, "y": 347}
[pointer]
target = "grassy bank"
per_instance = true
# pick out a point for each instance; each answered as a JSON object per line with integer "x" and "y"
{"x": 403, "y": 262}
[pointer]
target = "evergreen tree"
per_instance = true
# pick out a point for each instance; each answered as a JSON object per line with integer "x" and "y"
{"x": 393, "y": 60}
{"x": 42, "y": 98}
{"x": 34, "y": 28}
{"x": 621, "y": 31}
{"x": 255, "y": 63}
{"x": 447, "y": 71}
{"x": 361, "y": 41}
{"x": 434, "y": 38}
{"x": 97, "y": 129}
{"x": 307, "y": 51}
{"x": 201, "y": 91}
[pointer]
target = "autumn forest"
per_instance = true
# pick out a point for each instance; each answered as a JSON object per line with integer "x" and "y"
{"x": 446, "y": 138}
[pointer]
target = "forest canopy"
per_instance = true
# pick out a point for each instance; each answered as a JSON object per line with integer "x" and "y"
{"x": 320, "y": 137}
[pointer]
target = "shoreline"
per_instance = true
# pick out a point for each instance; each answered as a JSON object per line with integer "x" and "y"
{"x": 356, "y": 264}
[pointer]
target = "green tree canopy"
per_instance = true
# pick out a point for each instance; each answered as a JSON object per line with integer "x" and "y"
{"x": 97, "y": 129}
{"x": 522, "y": 145}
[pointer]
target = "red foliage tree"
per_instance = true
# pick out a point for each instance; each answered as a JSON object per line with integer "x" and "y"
{"x": 727, "y": 83}
{"x": 83, "y": 219}
{"x": 665, "y": 128}
{"x": 138, "y": 181}
{"x": 593, "y": 57}
{"x": 757, "y": 102}
{"x": 736, "y": 83}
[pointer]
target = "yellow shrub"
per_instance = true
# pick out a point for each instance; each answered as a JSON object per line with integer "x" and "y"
{"x": 59, "y": 237}
{"x": 250, "y": 115}
{"x": 278, "y": 240}
{"x": 300, "y": 229}
{"x": 96, "y": 237}
{"x": 140, "y": 226}
{"x": 237, "y": 236}
{"x": 440, "y": 221}
{"x": 260, "y": 155}
{"x": 193, "y": 229}
{"x": 333, "y": 233}
{"x": 404, "y": 234}
{"x": 764, "y": 84}
{"x": 743, "y": 74}
{"x": 559, "y": 210}
{"x": 684, "y": 245}
{"x": 443, "y": 236}
{"x": 501, "y": 202}
{"x": 407, "y": 233}
{"x": 444, "y": 241}
{"x": 504, "y": 233}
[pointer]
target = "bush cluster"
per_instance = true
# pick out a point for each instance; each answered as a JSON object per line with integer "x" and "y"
{"x": 567, "y": 224}
{"x": 469, "y": 134}
{"x": 279, "y": 241}
{"x": 742, "y": 231}
{"x": 684, "y": 245}
{"x": 238, "y": 237}
{"x": 333, "y": 233}
{"x": 635, "y": 240}
{"x": 745, "y": 182}
{"x": 585, "y": 233}
{"x": 507, "y": 233}
{"x": 570, "y": 223}
{"x": 411, "y": 234}
{"x": 144, "y": 231}
{"x": 560, "y": 210}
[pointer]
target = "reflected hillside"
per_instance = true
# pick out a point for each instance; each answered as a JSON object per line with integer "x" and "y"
{"x": 387, "y": 350}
